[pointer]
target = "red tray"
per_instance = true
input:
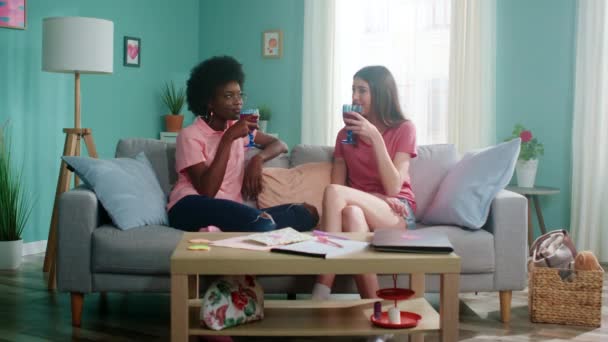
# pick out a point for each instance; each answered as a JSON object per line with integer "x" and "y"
{"x": 395, "y": 293}
{"x": 408, "y": 320}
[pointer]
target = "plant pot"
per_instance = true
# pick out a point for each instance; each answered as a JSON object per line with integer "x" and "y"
{"x": 263, "y": 124}
{"x": 173, "y": 123}
{"x": 10, "y": 254}
{"x": 526, "y": 172}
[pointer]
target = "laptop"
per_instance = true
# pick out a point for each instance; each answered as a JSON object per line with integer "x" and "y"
{"x": 411, "y": 241}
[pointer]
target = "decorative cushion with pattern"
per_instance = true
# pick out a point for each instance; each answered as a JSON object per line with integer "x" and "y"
{"x": 231, "y": 301}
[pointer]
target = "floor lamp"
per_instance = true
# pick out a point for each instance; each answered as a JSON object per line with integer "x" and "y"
{"x": 75, "y": 45}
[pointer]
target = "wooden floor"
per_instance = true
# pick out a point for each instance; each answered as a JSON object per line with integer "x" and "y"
{"x": 28, "y": 312}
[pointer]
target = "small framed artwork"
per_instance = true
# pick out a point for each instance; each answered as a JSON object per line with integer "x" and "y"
{"x": 12, "y": 14}
{"x": 132, "y": 54}
{"x": 272, "y": 44}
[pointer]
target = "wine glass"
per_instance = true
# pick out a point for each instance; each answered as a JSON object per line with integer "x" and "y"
{"x": 345, "y": 109}
{"x": 251, "y": 115}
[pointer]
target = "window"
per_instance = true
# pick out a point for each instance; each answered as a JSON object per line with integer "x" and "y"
{"x": 412, "y": 39}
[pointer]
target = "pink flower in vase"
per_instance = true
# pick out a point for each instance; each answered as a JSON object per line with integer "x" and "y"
{"x": 525, "y": 136}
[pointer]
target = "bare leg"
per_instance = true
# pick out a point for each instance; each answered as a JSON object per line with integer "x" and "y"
{"x": 353, "y": 220}
{"x": 331, "y": 220}
{"x": 376, "y": 211}
{"x": 371, "y": 212}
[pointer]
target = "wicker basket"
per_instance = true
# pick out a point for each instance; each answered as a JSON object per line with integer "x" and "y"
{"x": 576, "y": 300}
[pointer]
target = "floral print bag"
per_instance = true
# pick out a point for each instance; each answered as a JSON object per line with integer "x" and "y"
{"x": 231, "y": 301}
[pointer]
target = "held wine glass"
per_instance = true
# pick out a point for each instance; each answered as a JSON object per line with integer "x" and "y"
{"x": 251, "y": 115}
{"x": 345, "y": 109}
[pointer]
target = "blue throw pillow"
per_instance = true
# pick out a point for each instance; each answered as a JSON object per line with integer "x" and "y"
{"x": 127, "y": 188}
{"x": 466, "y": 192}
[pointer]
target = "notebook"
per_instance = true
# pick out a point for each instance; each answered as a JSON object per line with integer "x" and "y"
{"x": 411, "y": 241}
{"x": 318, "y": 249}
{"x": 282, "y": 236}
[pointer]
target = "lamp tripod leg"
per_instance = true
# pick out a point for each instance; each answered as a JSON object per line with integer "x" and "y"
{"x": 78, "y": 142}
{"x": 63, "y": 184}
{"x": 88, "y": 141}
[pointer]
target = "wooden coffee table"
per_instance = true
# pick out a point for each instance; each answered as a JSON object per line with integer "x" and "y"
{"x": 305, "y": 317}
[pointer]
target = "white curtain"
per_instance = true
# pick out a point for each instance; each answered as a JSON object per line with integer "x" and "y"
{"x": 411, "y": 38}
{"x": 589, "y": 213}
{"x": 471, "y": 100}
{"x": 441, "y": 53}
{"x": 318, "y": 74}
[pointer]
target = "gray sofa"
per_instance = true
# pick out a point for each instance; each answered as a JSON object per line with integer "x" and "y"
{"x": 95, "y": 256}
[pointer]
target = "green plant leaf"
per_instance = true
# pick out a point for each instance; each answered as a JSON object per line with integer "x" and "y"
{"x": 15, "y": 203}
{"x": 172, "y": 98}
{"x": 529, "y": 150}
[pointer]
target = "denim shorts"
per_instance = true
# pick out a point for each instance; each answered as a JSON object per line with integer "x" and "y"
{"x": 410, "y": 218}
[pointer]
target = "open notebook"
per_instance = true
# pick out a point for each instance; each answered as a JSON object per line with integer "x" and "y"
{"x": 317, "y": 248}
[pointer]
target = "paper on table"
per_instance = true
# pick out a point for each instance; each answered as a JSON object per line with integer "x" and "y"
{"x": 277, "y": 237}
{"x": 240, "y": 242}
{"x": 319, "y": 249}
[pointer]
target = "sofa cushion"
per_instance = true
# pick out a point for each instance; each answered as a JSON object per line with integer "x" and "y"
{"x": 160, "y": 154}
{"x": 303, "y": 183}
{"x": 466, "y": 192}
{"x": 427, "y": 171}
{"x": 141, "y": 250}
{"x": 282, "y": 160}
{"x": 302, "y": 154}
{"x": 127, "y": 188}
{"x": 475, "y": 247}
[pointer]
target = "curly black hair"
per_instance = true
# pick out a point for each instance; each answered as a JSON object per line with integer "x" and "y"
{"x": 206, "y": 77}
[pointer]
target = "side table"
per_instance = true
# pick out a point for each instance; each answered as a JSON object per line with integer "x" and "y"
{"x": 532, "y": 194}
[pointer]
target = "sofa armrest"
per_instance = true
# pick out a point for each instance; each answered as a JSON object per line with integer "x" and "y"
{"x": 79, "y": 215}
{"x": 508, "y": 223}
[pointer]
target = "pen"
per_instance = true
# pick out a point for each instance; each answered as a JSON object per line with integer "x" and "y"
{"x": 325, "y": 240}
{"x": 322, "y": 233}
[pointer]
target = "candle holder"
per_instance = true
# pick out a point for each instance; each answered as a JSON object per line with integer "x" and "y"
{"x": 395, "y": 318}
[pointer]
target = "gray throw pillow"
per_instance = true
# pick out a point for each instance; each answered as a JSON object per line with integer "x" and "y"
{"x": 127, "y": 188}
{"x": 466, "y": 192}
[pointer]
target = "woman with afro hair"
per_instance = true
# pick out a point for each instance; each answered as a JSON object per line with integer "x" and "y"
{"x": 213, "y": 176}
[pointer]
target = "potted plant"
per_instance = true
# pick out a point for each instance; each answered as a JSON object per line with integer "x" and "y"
{"x": 174, "y": 100}
{"x": 527, "y": 162}
{"x": 265, "y": 114}
{"x": 15, "y": 208}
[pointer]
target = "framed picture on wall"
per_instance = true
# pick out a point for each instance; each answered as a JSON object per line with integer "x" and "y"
{"x": 12, "y": 14}
{"x": 132, "y": 52}
{"x": 272, "y": 44}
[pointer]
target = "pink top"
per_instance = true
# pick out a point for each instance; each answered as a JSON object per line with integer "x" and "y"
{"x": 198, "y": 143}
{"x": 361, "y": 164}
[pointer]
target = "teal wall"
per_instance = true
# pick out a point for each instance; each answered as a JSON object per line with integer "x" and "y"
{"x": 235, "y": 28}
{"x": 535, "y": 51}
{"x": 124, "y": 104}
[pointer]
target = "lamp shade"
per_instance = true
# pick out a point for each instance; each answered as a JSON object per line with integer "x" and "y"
{"x": 77, "y": 44}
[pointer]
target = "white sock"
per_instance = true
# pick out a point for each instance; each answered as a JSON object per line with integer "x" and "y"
{"x": 320, "y": 292}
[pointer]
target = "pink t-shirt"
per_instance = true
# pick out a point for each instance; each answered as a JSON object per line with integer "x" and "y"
{"x": 361, "y": 163}
{"x": 198, "y": 143}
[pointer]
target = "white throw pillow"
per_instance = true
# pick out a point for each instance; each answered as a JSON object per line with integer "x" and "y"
{"x": 465, "y": 194}
{"x": 427, "y": 171}
{"x": 126, "y": 187}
